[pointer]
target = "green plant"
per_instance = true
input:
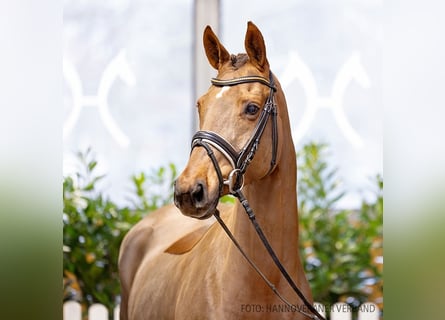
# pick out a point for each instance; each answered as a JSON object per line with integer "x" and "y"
{"x": 336, "y": 245}
{"x": 94, "y": 226}
{"x": 159, "y": 191}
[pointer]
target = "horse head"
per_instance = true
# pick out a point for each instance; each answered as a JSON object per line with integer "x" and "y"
{"x": 230, "y": 113}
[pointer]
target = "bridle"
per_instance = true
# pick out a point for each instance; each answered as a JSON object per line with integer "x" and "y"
{"x": 235, "y": 180}
{"x": 240, "y": 160}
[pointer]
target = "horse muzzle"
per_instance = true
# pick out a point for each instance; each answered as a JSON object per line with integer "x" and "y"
{"x": 194, "y": 199}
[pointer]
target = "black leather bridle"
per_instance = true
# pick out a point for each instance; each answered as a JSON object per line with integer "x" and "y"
{"x": 239, "y": 162}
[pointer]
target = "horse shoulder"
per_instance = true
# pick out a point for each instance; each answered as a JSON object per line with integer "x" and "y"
{"x": 191, "y": 239}
{"x": 163, "y": 234}
{"x": 152, "y": 236}
{"x": 187, "y": 242}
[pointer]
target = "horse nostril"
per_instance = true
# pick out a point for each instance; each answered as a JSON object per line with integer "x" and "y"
{"x": 190, "y": 198}
{"x": 198, "y": 193}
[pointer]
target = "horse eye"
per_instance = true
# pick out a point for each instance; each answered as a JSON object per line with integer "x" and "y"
{"x": 251, "y": 109}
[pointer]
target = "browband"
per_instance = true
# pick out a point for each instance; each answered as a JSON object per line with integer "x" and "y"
{"x": 240, "y": 80}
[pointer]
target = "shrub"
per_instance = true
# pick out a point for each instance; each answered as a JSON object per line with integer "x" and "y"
{"x": 338, "y": 247}
{"x": 94, "y": 226}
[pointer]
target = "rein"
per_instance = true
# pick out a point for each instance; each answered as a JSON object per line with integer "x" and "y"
{"x": 239, "y": 162}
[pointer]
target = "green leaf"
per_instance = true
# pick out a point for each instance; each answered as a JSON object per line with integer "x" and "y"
{"x": 92, "y": 165}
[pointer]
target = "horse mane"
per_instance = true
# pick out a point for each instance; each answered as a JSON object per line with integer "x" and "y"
{"x": 238, "y": 60}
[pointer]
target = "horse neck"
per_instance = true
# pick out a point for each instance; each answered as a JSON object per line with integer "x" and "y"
{"x": 274, "y": 202}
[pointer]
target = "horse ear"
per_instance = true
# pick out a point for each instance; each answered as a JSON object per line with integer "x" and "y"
{"x": 215, "y": 51}
{"x": 255, "y": 47}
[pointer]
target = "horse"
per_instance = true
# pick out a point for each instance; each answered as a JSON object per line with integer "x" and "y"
{"x": 184, "y": 266}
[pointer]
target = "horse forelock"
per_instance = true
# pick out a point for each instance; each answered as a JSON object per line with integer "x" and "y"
{"x": 238, "y": 60}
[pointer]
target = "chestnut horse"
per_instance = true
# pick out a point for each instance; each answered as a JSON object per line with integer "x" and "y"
{"x": 175, "y": 266}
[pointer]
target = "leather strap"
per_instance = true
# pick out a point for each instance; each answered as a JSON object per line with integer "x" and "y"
{"x": 245, "y": 79}
{"x": 218, "y": 142}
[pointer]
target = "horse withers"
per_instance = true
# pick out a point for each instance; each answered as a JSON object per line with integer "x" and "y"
{"x": 184, "y": 266}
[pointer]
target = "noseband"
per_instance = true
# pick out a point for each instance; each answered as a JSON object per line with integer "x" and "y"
{"x": 240, "y": 160}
